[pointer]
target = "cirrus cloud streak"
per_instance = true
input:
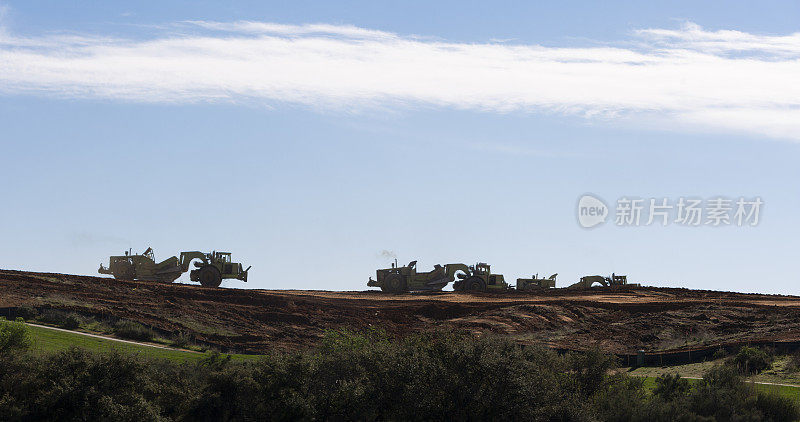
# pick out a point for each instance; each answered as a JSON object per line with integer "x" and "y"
{"x": 719, "y": 80}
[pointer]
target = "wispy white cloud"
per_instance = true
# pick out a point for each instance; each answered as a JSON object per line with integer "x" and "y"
{"x": 250, "y": 27}
{"x": 688, "y": 77}
{"x": 692, "y": 36}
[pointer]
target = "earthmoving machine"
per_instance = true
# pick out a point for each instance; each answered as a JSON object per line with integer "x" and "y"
{"x": 211, "y": 269}
{"x": 476, "y": 277}
{"x": 404, "y": 279}
{"x": 479, "y": 278}
{"x": 536, "y": 283}
{"x": 613, "y": 281}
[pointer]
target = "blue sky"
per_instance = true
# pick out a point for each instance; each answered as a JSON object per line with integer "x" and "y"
{"x": 307, "y": 138}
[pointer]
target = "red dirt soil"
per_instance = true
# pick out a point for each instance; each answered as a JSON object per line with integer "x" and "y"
{"x": 259, "y": 321}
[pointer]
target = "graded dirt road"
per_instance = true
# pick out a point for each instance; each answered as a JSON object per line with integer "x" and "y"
{"x": 258, "y": 321}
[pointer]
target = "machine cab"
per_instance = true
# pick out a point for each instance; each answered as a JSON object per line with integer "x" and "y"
{"x": 223, "y": 257}
{"x": 483, "y": 267}
{"x": 224, "y": 261}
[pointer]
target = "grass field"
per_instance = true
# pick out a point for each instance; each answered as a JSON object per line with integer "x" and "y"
{"x": 47, "y": 340}
{"x": 782, "y": 390}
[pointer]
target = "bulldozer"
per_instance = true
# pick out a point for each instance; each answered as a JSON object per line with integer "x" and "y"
{"x": 211, "y": 269}
{"x": 479, "y": 278}
{"x": 404, "y": 279}
{"x": 536, "y": 283}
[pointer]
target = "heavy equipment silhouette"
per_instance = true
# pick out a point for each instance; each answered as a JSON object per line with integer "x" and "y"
{"x": 476, "y": 278}
{"x": 615, "y": 280}
{"x": 535, "y": 282}
{"x": 211, "y": 268}
{"x": 479, "y": 278}
{"x": 403, "y": 279}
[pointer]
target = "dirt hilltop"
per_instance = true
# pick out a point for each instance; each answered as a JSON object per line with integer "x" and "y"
{"x": 257, "y": 321}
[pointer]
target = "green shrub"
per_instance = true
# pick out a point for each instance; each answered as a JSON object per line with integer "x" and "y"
{"x": 623, "y": 399}
{"x": 215, "y": 360}
{"x": 670, "y": 387}
{"x": 182, "y": 340}
{"x": 370, "y": 376}
{"x": 98, "y": 326}
{"x": 78, "y": 385}
{"x": 590, "y": 369}
{"x": 52, "y": 317}
{"x": 71, "y": 322}
{"x": 133, "y": 331}
{"x": 14, "y": 336}
{"x": 27, "y": 313}
{"x": 777, "y": 408}
{"x": 794, "y": 362}
{"x": 723, "y": 396}
{"x": 751, "y": 360}
{"x": 61, "y": 319}
{"x": 723, "y": 377}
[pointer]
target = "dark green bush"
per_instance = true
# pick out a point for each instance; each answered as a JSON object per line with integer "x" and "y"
{"x": 52, "y": 317}
{"x": 723, "y": 396}
{"x": 27, "y": 313}
{"x": 671, "y": 387}
{"x": 777, "y": 408}
{"x": 623, "y": 399}
{"x": 69, "y": 321}
{"x": 751, "y": 360}
{"x": 182, "y": 340}
{"x": 14, "y": 336}
{"x": 77, "y": 385}
{"x": 369, "y": 376}
{"x": 590, "y": 369}
{"x": 133, "y": 331}
{"x": 794, "y": 362}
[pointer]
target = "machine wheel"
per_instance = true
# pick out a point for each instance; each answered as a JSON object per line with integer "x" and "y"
{"x": 394, "y": 284}
{"x": 124, "y": 271}
{"x": 210, "y": 277}
{"x": 474, "y": 284}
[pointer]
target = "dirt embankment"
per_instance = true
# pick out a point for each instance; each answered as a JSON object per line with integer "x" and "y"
{"x": 256, "y": 321}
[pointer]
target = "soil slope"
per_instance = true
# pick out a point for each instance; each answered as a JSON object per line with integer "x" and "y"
{"x": 257, "y": 321}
